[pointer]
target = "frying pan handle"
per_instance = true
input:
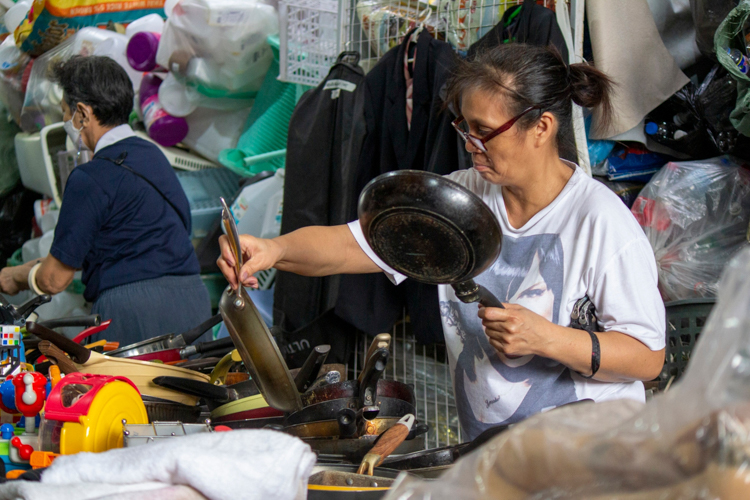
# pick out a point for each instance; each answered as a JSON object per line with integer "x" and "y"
{"x": 368, "y": 386}
{"x": 76, "y": 351}
{"x": 53, "y": 352}
{"x": 468, "y": 291}
{"x": 194, "y": 388}
{"x": 82, "y": 321}
{"x": 488, "y": 299}
{"x": 22, "y": 311}
{"x": 309, "y": 371}
{"x": 192, "y": 335}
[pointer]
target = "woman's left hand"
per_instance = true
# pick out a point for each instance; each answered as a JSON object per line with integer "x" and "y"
{"x": 516, "y": 330}
{"x": 12, "y": 279}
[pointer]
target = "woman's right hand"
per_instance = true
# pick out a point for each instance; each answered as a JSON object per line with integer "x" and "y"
{"x": 257, "y": 254}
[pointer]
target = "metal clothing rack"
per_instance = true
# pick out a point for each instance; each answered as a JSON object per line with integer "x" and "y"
{"x": 314, "y": 32}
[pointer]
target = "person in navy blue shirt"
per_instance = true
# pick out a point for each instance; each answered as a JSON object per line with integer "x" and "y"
{"x": 124, "y": 219}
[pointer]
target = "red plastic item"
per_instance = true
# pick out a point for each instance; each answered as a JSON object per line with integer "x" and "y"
{"x": 222, "y": 428}
{"x": 30, "y": 402}
{"x": 24, "y": 450}
{"x": 88, "y": 332}
{"x": 55, "y": 409}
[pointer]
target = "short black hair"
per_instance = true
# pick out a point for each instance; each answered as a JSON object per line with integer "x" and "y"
{"x": 99, "y": 82}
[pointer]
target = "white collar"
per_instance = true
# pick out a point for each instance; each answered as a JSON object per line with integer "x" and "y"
{"x": 115, "y": 135}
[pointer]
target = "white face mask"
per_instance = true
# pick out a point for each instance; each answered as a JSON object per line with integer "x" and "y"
{"x": 73, "y": 132}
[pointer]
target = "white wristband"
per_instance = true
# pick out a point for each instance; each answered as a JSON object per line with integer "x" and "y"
{"x": 32, "y": 279}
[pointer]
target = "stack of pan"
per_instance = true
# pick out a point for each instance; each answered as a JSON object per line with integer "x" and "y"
{"x": 337, "y": 418}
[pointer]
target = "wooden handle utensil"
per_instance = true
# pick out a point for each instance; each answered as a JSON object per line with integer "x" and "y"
{"x": 386, "y": 444}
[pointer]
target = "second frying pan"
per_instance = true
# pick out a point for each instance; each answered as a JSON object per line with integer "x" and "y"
{"x": 432, "y": 230}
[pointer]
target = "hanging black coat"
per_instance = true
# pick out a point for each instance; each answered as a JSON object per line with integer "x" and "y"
{"x": 325, "y": 139}
{"x": 371, "y": 302}
{"x": 535, "y": 25}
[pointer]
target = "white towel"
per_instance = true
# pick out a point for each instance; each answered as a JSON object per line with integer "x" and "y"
{"x": 247, "y": 464}
{"x": 27, "y": 490}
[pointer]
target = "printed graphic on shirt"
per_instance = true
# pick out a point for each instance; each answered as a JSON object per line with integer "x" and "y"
{"x": 490, "y": 388}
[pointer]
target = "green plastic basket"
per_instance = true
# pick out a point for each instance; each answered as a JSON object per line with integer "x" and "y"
{"x": 685, "y": 321}
{"x": 263, "y": 144}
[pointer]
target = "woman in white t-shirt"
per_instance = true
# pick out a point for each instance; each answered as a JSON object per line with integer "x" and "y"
{"x": 565, "y": 237}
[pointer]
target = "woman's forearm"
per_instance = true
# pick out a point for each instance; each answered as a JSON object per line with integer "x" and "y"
{"x": 623, "y": 358}
{"x": 322, "y": 251}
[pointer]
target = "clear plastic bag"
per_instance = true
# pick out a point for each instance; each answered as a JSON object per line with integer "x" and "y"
{"x": 386, "y": 22}
{"x": 219, "y": 47}
{"x": 689, "y": 443}
{"x": 695, "y": 214}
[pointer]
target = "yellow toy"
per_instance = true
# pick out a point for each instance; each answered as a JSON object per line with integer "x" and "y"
{"x": 86, "y": 413}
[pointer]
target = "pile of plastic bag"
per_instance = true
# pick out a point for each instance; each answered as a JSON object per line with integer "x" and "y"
{"x": 696, "y": 215}
{"x": 692, "y": 442}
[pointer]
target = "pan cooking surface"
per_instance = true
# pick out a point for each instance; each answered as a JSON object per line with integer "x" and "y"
{"x": 406, "y": 239}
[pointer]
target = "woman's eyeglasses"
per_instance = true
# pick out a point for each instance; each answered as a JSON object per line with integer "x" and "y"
{"x": 479, "y": 143}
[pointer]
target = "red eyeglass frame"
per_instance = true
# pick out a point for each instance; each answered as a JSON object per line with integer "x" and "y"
{"x": 480, "y": 142}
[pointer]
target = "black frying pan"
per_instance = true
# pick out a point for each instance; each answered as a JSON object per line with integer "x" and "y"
{"x": 432, "y": 230}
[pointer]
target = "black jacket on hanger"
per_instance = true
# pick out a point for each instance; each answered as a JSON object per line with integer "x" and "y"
{"x": 326, "y": 132}
{"x": 535, "y": 25}
{"x": 371, "y": 302}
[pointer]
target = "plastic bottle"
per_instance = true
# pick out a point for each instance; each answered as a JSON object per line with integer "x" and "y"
{"x": 272, "y": 219}
{"x": 739, "y": 60}
{"x": 141, "y": 51}
{"x": 664, "y": 131}
{"x": 177, "y": 98}
{"x": 251, "y": 205}
{"x": 165, "y": 129}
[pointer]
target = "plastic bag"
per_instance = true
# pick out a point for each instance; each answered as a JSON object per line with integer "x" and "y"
{"x": 41, "y": 105}
{"x": 633, "y": 163}
{"x": 465, "y": 22}
{"x": 9, "y": 174}
{"x": 219, "y": 47}
{"x": 696, "y": 119}
{"x": 729, "y": 36}
{"x": 386, "y": 22}
{"x": 695, "y": 215}
{"x": 53, "y": 21}
{"x": 14, "y": 64}
{"x": 687, "y": 444}
{"x": 707, "y": 15}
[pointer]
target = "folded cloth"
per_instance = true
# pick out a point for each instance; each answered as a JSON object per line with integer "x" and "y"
{"x": 247, "y": 464}
{"x": 27, "y": 490}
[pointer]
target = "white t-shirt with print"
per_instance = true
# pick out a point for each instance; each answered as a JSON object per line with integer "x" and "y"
{"x": 586, "y": 242}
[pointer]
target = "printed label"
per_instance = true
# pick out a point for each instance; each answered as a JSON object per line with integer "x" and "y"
{"x": 340, "y": 84}
{"x": 152, "y": 111}
{"x": 227, "y": 17}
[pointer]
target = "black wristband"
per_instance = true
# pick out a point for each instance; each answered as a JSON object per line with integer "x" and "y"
{"x": 596, "y": 355}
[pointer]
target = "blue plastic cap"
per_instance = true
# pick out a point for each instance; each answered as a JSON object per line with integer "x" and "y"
{"x": 7, "y": 431}
{"x": 652, "y": 128}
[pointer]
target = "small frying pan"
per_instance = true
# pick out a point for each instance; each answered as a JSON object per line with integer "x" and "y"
{"x": 432, "y": 230}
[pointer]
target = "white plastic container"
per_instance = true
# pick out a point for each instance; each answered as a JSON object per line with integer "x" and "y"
{"x": 98, "y": 42}
{"x": 272, "y": 219}
{"x": 211, "y": 131}
{"x": 176, "y": 98}
{"x": 152, "y": 23}
{"x": 250, "y": 207}
{"x": 30, "y": 250}
{"x": 45, "y": 243}
{"x": 16, "y": 14}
